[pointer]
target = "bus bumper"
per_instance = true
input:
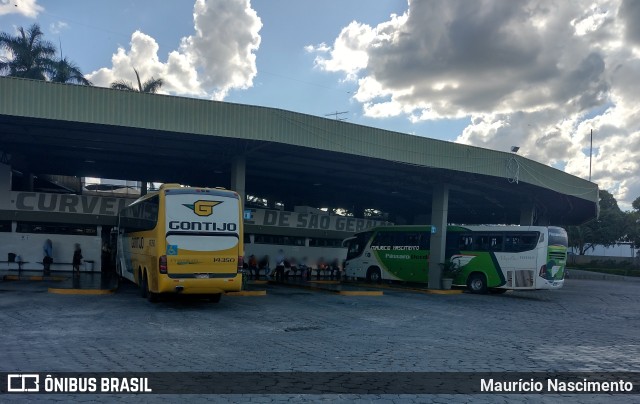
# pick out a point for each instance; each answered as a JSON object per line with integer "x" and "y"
{"x": 192, "y": 286}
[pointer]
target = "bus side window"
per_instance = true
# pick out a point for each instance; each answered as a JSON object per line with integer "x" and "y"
{"x": 425, "y": 241}
{"x": 512, "y": 243}
{"x": 466, "y": 242}
{"x": 482, "y": 243}
{"x": 495, "y": 243}
{"x": 452, "y": 246}
{"x": 413, "y": 239}
{"x": 382, "y": 238}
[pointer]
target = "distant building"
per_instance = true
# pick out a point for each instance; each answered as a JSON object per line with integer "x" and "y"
{"x": 617, "y": 250}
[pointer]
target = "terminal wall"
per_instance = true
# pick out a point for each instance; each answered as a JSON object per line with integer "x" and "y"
{"x": 29, "y": 246}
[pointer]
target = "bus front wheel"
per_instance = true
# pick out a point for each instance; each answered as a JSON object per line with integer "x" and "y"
{"x": 118, "y": 275}
{"x": 477, "y": 283}
{"x": 374, "y": 275}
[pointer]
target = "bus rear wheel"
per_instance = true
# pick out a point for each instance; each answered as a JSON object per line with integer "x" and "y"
{"x": 374, "y": 275}
{"x": 477, "y": 283}
{"x": 144, "y": 288}
{"x": 151, "y": 297}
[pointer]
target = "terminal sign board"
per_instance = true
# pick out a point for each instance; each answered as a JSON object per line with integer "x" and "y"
{"x": 264, "y": 217}
{"x": 63, "y": 203}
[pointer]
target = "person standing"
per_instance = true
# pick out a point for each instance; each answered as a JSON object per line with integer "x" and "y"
{"x": 264, "y": 265}
{"x": 48, "y": 257}
{"x": 280, "y": 266}
{"x": 77, "y": 258}
{"x": 253, "y": 267}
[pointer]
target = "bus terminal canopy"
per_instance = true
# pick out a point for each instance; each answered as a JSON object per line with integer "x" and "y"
{"x": 298, "y": 159}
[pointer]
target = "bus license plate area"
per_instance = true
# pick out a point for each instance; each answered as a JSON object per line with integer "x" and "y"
{"x": 201, "y": 276}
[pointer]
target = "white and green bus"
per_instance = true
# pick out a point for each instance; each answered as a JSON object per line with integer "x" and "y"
{"x": 496, "y": 258}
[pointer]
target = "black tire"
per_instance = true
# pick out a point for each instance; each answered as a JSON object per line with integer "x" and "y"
{"x": 477, "y": 283}
{"x": 498, "y": 291}
{"x": 215, "y": 298}
{"x": 374, "y": 275}
{"x": 144, "y": 288}
{"x": 119, "y": 270}
{"x": 151, "y": 297}
{"x": 118, "y": 275}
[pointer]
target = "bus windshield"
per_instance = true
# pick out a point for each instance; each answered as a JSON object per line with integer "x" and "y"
{"x": 558, "y": 236}
{"x": 355, "y": 246}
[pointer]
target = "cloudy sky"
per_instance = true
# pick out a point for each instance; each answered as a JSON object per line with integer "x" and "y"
{"x": 535, "y": 74}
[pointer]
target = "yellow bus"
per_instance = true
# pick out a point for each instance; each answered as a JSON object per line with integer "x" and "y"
{"x": 182, "y": 240}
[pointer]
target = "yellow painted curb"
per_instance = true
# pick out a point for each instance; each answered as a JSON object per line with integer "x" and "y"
{"x": 247, "y": 293}
{"x": 81, "y": 291}
{"x": 361, "y": 293}
{"x": 445, "y": 292}
{"x": 428, "y": 291}
{"x": 258, "y": 282}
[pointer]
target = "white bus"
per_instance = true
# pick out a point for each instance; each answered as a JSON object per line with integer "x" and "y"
{"x": 182, "y": 240}
{"x": 497, "y": 258}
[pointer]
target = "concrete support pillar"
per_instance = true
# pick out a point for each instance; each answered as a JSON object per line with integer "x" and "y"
{"x": 238, "y": 173}
{"x": 143, "y": 188}
{"x": 527, "y": 213}
{"x": 439, "y": 213}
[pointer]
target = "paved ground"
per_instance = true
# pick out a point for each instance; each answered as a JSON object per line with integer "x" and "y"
{"x": 589, "y": 325}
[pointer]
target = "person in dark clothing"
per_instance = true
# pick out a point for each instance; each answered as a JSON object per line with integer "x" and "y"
{"x": 48, "y": 257}
{"x": 264, "y": 265}
{"x": 253, "y": 267}
{"x": 280, "y": 266}
{"x": 77, "y": 258}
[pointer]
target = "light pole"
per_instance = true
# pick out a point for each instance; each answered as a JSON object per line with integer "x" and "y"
{"x": 590, "y": 152}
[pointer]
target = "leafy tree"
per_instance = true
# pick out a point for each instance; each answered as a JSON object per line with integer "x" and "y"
{"x": 65, "y": 71}
{"x": 31, "y": 54}
{"x": 150, "y": 86}
{"x": 633, "y": 224}
{"x": 31, "y": 57}
{"x": 606, "y": 230}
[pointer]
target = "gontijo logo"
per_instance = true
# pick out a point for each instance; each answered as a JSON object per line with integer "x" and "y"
{"x": 203, "y": 208}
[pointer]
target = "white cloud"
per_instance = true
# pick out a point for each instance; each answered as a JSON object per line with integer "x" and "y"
{"x": 348, "y": 53}
{"x": 217, "y": 58}
{"x": 58, "y": 26}
{"x": 538, "y": 74}
{"x": 28, "y": 8}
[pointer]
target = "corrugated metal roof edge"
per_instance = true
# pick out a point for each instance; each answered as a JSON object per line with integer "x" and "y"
{"x": 218, "y": 118}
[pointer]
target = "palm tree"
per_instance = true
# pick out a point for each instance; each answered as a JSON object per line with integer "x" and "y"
{"x": 65, "y": 71}
{"x": 31, "y": 53}
{"x": 150, "y": 86}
